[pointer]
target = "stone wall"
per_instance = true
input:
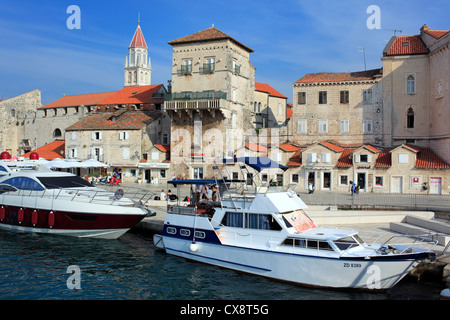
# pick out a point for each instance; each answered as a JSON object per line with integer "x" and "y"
{"x": 17, "y": 114}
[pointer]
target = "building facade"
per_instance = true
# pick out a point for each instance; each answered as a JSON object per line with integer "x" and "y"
{"x": 212, "y": 98}
{"x": 17, "y": 115}
{"x": 416, "y": 71}
{"x": 338, "y": 106}
{"x": 269, "y": 107}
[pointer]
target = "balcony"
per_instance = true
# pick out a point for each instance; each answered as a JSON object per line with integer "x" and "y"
{"x": 185, "y": 70}
{"x": 176, "y": 105}
{"x": 204, "y": 95}
{"x": 208, "y": 68}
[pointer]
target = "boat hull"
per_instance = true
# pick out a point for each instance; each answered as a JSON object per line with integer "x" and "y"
{"x": 311, "y": 271}
{"x": 96, "y": 224}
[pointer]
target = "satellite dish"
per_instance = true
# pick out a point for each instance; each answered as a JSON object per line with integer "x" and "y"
{"x": 118, "y": 194}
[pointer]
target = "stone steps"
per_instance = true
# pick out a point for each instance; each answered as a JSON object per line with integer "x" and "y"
{"x": 414, "y": 225}
{"x": 330, "y": 216}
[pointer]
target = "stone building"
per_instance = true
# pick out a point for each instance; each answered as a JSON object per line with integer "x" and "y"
{"x": 269, "y": 107}
{"x": 338, "y": 106}
{"x": 120, "y": 138}
{"x": 51, "y": 120}
{"x": 212, "y": 98}
{"x": 331, "y": 166}
{"x": 416, "y": 96}
{"x": 17, "y": 114}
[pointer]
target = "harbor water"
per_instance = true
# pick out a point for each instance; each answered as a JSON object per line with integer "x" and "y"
{"x": 45, "y": 267}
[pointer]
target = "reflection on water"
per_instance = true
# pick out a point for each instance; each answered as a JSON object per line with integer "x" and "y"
{"x": 35, "y": 267}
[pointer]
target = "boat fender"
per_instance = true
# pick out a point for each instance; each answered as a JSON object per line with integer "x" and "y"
{"x": 34, "y": 217}
{"x": 445, "y": 294}
{"x": 193, "y": 247}
{"x": 20, "y": 214}
{"x": 2, "y": 213}
{"x": 51, "y": 219}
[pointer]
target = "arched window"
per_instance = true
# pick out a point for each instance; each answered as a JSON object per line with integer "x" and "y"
{"x": 410, "y": 118}
{"x": 410, "y": 84}
{"x": 57, "y": 133}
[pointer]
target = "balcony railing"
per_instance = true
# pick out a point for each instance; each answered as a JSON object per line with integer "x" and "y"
{"x": 205, "y": 95}
{"x": 208, "y": 68}
{"x": 185, "y": 69}
{"x": 193, "y": 104}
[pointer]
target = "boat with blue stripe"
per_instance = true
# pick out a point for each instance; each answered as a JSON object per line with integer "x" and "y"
{"x": 264, "y": 230}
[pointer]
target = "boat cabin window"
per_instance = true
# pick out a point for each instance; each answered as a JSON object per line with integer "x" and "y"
{"x": 64, "y": 182}
{"x": 250, "y": 221}
{"x": 3, "y": 170}
{"x": 307, "y": 243}
{"x": 345, "y": 243}
{"x": 24, "y": 183}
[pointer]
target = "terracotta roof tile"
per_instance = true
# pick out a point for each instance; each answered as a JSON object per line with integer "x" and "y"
{"x": 207, "y": 35}
{"x": 88, "y": 99}
{"x": 345, "y": 160}
{"x": 133, "y": 95}
{"x": 437, "y": 33}
{"x": 52, "y": 150}
{"x": 138, "y": 39}
{"x": 339, "y": 77}
{"x": 384, "y": 159}
{"x": 256, "y": 147}
{"x": 407, "y": 45}
{"x": 289, "y": 111}
{"x": 119, "y": 120}
{"x": 295, "y": 160}
{"x": 425, "y": 159}
{"x": 288, "y": 147}
{"x": 163, "y": 147}
{"x": 332, "y": 146}
{"x": 428, "y": 159}
{"x": 264, "y": 87}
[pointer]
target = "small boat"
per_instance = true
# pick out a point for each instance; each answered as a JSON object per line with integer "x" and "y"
{"x": 36, "y": 199}
{"x": 265, "y": 231}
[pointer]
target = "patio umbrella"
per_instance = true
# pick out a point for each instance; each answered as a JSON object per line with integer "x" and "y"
{"x": 92, "y": 163}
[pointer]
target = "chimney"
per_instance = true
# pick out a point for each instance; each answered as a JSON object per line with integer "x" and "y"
{"x": 424, "y": 28}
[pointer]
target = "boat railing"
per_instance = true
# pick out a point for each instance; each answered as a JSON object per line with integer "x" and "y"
{"x": 387, "y": 242}
{"x": 115, "y": 196}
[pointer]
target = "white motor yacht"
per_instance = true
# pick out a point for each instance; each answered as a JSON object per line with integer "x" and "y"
{"x": 266, "y": 232}
{"x": 36, "y": 199}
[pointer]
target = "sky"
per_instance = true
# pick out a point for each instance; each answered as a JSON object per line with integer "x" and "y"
{"x": 290, "y": 38}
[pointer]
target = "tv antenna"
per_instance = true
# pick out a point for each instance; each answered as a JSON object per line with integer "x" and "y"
{"x": 363, "y": 50}
{"x": 394, "y": 30}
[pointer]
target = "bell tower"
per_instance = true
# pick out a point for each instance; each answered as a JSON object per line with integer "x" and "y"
{"x": 138, "y": 69}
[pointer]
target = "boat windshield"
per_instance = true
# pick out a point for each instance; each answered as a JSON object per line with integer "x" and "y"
{"x": 64, "y": 182}
{"x": 299, "y": 220}
{"x": 22, "y": 183}
{"x": 348, "y": 242}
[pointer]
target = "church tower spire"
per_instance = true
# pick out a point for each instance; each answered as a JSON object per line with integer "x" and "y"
{"x": 137, "y": 65}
